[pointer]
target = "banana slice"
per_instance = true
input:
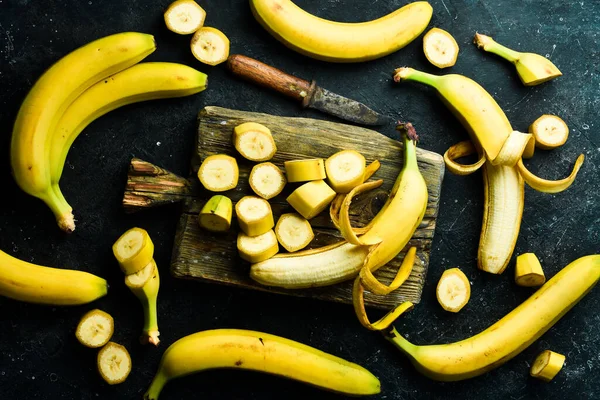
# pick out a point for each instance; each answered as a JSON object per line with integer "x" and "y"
{"x": 440, "y": 48}
{"x": 210, "y": 46}
{"x": 311, "y": 198}
{"x": 345, "y": 170}
{"x": 549, "y": 132}
{"x": 95, "y": 329}
{"x": 257, "y": 248}
{"x": 114, "y": 363}
{"x": 266, "y": 180}
{"x": 546, "y": 365}
{"x": 254, "y": 141}
{"x": 219, "y": 173}
{"x": 215, "y": 216}
{"x": 305, "y": 170}
{"x": 254, "y": 215}
{"x": 453, "y": 290}
{"x": 133, "y": 250}
{"x": 528, "y": 271}
{"x": 184, "y": 17}
{"x": 140, "y": 278}
{"x": 293, "y": 232}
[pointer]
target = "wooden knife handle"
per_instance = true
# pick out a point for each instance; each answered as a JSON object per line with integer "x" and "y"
{"x": 269, "y": 77}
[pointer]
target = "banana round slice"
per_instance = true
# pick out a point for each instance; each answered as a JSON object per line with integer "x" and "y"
{"x": 453, "y": 290}
{"x": 215, "y": 216}
{"x": 257, "y": 248}
{"x": 345, "y": 170}
{"x": 114, "y": 363}
{"x": 254, "y": 141}
{"x": 140, "y": 278}
{"x": 440, "y": 48}
{"x": 546, "y": 365}
{"x": 305, "y": 170}
{"x": 184, "y": 17}
{"x": 133, "y": 250}
{"x": 311, "y": 198}
{"x": 266, "y": 180}
{"x": 219, "y": 173}
{"x": 95, "y": 329}
{"x": 210, "y": 46}
{"x": 293, "y": 232}
{"x": 254, "y": 214}
{"x": 549, "y": 132}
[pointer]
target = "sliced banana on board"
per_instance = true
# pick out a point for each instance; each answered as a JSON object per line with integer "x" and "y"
{"x": 345, "y": 170}
{"x": 453, "y": 290}
{"x": 549, "y": 132}
{"x": 133, "y": 250}
{"x": 184, "y": 17}
{"x": 254, "y": 141}
{"x": 311, "y": 198}
{"x": 266, "y": 180}
{"x": 293, "y": 232}
{"x": 210, "y": 46}
{"x": 114, "y": 363}
{"x": 219, "y": 173}
{"x": 254, "y": 215}
{"x": 95, "y": 329}
{"x": 305, "y": 170}
{"x": 215, "y": 216}
{"x": 440, "y": 48}
{"x": 257, "y": 248}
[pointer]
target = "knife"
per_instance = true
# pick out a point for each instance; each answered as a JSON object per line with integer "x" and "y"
{"x": 308, "y": 93}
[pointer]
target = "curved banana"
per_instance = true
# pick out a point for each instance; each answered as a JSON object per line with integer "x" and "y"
{"x": 146, "y": 81}
{"x": 257, "y": 351}
{"x": 509, "y": 336}
{"x": 32, "y": 283}
{"x": 341, "y": 42}
{"x": 48, "y": 99}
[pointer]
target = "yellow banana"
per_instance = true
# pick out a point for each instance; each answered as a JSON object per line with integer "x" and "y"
{"x": 32, "y": 283}
{"x": 509, "y": 336}
{"x": 54, "y": 91}
{"x": 341, "y": 42}
{"x": 256, "y": 351}
{"x": 148, "y": 295}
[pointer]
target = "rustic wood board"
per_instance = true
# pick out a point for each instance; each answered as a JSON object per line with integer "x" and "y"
{"x": 198, "y": 254}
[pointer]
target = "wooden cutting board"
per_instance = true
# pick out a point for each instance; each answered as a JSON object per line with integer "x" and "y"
{"x": 198, "y": 254}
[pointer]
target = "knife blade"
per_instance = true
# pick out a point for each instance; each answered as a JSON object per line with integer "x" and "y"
{"x": 308, "y": 93}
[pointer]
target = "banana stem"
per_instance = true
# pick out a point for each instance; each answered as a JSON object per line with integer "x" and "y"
{"x": 410, "y": 149}
{"x": 490, "y": 45}
{"x": 61, "y": 209}
{"x": 399, "y": 341}
{"x": 156, "y": 387}
{"x": 411, "y": 74}
{"x": 150, "y": 322}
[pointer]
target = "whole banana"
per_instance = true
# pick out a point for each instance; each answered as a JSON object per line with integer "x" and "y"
{"x": 509, "y": 336}
{"x": 32, "y": 283}
{"x": 48, "y": 99}
{"x": 341, "y": 42}
{"x": 250, "y": 350}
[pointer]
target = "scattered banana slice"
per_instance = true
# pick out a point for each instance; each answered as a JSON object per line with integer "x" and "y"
{"x": 546, "y": 365}
{"x": 184, "y": 17}
{"x": 114, "y": 363}
{"x": 95, "y": 329}
{"x": 215, "y": 216}
{"x": 266, "y": 180}
{"x": 254, "y": 141}
{"x": 304, "y": 170}
{"x": 219, "y": 173}
{"x": 345, "y": 170}
{"x": 311, "y": 198}
{"x": 293, "y": 232}
{"x": 453, "y": 290}
{"x": 549, "y": 132}
{"x": 133, "y": 250}
{"x": 440, "y": 48}
{"x": 210, "y": 46}
{"x": 257, "y": 248}
{"x": 140, "y": 278}
{"x": 528, "y": 271}
{"x": 254, "y": 215}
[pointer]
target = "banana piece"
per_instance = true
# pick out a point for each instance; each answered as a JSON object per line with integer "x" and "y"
{"x": 23, "y": 281}
{"x": 453, "y": 290}
{"x": 528, "y": 271}
{"x": 304, "y": 170}
{"x": 546, "y": 365}
{"x": 133, "y": 250}
{"x": 254, "y": 141}
{"x": 266, "y": 180}
{"x": 440, "y": 48}
{"x": 532, "y": 69}
{"x": 254, "y": 215}
{"x": 311, "y": 198}
{"x": 341, "y": 42}
{"x": 95, "y": 329}
{"x": 147, "y": 295}
{"x": 549, "y": 132}
{"x": 345, "y": 170}
{"x": 48, "y": 99}
{"x": 210, "y": 46}
{"x": 512, "y": 334}
{"x": 262, "y": 352}
{"x": 216, "y": 214}
{"x": 114, "y": 363}
{"x": 184, "y": 17}
{"x": 219, "y": 173}
{"x": 257, "y": 248}
{"x": 293, "y": 232}
{"x": 140, "y": 278}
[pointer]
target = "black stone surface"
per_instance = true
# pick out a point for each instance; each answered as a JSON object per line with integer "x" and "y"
{"x": 39, "y": 356}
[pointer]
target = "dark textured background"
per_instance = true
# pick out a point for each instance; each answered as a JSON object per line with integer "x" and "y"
{"x": 39, "y": 356}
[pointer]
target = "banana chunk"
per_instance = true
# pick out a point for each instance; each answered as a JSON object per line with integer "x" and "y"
{"x": 257, "y": 248}
{"x": 254, "y": 141}
{"x": 293, "y": 232}
{"x": 114, "y": 363}
{"x": 219, "y": 173}
{"x": 549, "y": 132}
{"x": 133, "y": 250}
{"x": 95, "y": 329}
{"x": 215, "y": 216}
{"x": 440, "y": 48}
{"x": 305, "y": 170}
{"x": 546, "y": 365}
{"x": 254, "y": 214}
{"x": 140, "y": 278}
{"x": 311, "y": 198}
{"x": 528, "y": 271}
{"x": 345, "y": 170}
{"x": 210, "y": 46}
{"x": 184, "y": 17}
{"x": 453, "y": 290}
{"x": 266, "y": 180}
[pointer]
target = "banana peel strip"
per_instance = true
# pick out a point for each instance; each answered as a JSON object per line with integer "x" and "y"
{"x": 344, "y": 217}
{"x": 462, "y": 149}
{"x": 371, "y": 169}
{"x": 513, "y": 148}
{"x": 548, "y": 186}
{"x": 373, "y": 285}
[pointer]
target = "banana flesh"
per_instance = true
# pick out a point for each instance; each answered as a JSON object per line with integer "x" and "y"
{"x": 311, "y": 198}
{"x": 293, "y": 232}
